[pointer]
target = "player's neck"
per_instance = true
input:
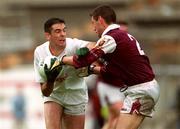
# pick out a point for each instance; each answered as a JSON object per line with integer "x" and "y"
{"x": 56, "y": 50}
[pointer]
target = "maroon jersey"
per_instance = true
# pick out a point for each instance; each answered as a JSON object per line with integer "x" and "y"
{"x": 127, "y": 65}
{"x": 126, "y": 62}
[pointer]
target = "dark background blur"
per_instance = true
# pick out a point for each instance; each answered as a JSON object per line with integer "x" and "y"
{"x": 155, "y": 23}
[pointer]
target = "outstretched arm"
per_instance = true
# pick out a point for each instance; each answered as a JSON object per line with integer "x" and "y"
{"x": 104, "y": 45}
{"x": 83, "y": 61}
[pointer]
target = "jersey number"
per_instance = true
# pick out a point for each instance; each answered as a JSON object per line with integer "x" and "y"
{"x": 141, "y": 52}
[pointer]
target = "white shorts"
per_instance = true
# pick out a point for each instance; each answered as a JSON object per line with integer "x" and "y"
{"x": 109, "y": 94}
{"x": 141, "y": 98}
{"x": 74, "y": 102}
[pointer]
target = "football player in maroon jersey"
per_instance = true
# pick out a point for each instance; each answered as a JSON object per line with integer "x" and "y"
{"x": 125, "y": 65}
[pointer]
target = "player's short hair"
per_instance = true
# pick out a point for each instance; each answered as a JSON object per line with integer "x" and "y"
{"x": 106, "y": 12}
{"x": 48, "y": 24}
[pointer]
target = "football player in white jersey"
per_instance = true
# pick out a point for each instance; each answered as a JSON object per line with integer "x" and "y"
{"x": 64, "y": 93}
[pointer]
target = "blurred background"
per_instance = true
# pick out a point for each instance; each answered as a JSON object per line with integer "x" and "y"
{"x": 155, "y": 23}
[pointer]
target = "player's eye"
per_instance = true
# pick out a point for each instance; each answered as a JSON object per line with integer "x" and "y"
{"x": 65, "y": 29}
{"x": 57, "y": 31}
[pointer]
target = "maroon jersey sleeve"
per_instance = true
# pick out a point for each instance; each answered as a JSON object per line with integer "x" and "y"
{"x": 88, "y": 59}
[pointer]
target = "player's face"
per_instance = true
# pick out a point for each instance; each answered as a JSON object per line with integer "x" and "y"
{"x": 97, "y": 26}
{"x": 58, "y": 34}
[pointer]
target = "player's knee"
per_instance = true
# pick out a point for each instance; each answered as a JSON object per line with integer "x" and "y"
{"x": 115, "y": 108}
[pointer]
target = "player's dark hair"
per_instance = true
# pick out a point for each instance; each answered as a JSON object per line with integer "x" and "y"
{"x": 48, "y": 24}
{"x": 106, "y": 12}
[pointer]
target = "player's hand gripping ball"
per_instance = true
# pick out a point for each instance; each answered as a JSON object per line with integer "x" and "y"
{"x": 50, "y": 67}
{"x": 51, "y": 61}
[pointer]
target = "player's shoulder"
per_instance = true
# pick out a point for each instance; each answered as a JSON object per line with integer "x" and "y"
{"x": 42, "y": 46}
{"x": 119, "y": 34}
{"x": 74, "y": 40}
{"x": 69, "y": 40}
{"x": 117, "y": 31}
{"x": 71, "y": 45}
{"x": 41, "y": 49}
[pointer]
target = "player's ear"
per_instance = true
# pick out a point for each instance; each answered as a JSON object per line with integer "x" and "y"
{"x": 47, "y": 36}
{"x": 101, "y": 21}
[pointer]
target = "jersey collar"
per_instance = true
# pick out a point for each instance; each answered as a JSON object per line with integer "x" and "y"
{"x": 110, "y": 27}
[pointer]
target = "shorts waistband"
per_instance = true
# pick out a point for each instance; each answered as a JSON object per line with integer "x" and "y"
{"x": 142, "y": 84}
{"x": 125, "y": 87}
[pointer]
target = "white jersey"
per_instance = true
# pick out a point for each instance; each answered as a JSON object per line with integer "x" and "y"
{"x": 67, "y": 78}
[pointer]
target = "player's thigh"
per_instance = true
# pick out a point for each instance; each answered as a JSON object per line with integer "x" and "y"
{"x": 115, "y": 108}
{"x": 53, "y": 115}
{"x": 73, "y": 121}
{"x": 112, "y": 96}
{"x": 129, "y": 121}
{"x": 114, "y": 112}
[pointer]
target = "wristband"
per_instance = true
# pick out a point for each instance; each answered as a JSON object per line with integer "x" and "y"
{"x": 91, "y": 69}
{"x": 61, "y": 60}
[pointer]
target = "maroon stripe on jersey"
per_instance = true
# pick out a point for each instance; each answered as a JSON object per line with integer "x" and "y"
{"x": 88, "y": 59}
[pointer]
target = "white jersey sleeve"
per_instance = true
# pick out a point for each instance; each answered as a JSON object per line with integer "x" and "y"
{"x": 72, "y": 44}
{"x": 106, "y": 43}
{"x": 81, "y": 43}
